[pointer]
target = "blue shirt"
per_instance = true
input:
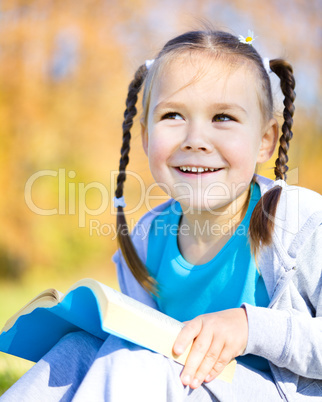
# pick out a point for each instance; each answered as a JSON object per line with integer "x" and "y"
{"x": 228, "y": 280}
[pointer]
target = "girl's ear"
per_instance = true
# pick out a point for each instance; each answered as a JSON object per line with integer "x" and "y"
{"x": 145, "y": 137}
{"x": 268, "y": 143}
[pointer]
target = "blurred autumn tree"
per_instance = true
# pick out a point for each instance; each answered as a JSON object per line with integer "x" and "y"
{"x": 61, "y": 99}
{"x": 64, "y": 71}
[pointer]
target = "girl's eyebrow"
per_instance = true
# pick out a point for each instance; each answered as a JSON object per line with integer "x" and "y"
{"x": 220, "y": 106}
{"x": 168, "y": 105}
{"x": 229, "y": 106}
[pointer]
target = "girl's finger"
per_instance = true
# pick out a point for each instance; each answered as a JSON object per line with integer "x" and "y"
{"x": 196, "y": 356}
{"x": 211, "y": 376}
{"x": 224, "y": 358}
{"x": 222, "y": 361}
{"x": 208, "y": 363}
{"x": 187, "y": 335}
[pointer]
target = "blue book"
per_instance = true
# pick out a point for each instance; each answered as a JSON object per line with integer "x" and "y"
{"x": 97, "y": 309}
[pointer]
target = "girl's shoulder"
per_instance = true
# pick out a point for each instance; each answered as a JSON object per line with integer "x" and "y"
{"x": 298, "y": 213}
{"x": 140, "y": 233}
{"x": 147, "y": 219}
{"x": 294, "y": 199}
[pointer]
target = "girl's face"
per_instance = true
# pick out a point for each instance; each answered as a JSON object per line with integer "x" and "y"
{"x": 205, "y": 132}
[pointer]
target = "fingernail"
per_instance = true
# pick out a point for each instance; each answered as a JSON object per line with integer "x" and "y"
{"x": 195, "y": 383}
{"x": 186, "y": 379}
{"x": 208, "y": 378}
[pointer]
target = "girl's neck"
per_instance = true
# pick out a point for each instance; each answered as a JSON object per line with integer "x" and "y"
{"x": 202, "y": 235}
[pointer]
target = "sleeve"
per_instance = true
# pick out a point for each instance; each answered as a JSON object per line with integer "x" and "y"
{"x": 129, "y": 285}
{"x": 292, "y": 338}
{"x": 140, "y": 237}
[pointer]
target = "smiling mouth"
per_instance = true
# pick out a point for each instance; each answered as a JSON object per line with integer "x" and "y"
{"x": 197, "y": 169}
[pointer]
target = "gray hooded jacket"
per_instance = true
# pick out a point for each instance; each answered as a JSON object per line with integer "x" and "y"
{"x": 289, "y": 332}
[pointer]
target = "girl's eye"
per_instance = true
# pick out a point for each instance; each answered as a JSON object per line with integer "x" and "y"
{"x": 222, "y": 117}
{"x": 172, "y": 116}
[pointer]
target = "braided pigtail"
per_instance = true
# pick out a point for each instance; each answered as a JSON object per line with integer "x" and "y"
{"x": 123, "y": 236}
{"x": 262, "y": 221}
{"x": 285, "y": 72}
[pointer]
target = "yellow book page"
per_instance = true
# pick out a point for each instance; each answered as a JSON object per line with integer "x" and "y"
{"x": 149, "y": 328}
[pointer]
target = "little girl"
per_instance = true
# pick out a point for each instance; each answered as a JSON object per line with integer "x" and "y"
{"x": 233, "y": 254}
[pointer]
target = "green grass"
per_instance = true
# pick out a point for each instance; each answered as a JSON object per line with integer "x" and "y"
{"x": 13, "y": 295}
{"x": 11, "y": 369}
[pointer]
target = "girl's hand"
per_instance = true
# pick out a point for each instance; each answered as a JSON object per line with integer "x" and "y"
{"x": 217, "y": 339}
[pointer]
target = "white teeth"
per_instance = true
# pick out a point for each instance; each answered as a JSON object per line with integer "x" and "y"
{"x": 196, "y": 169}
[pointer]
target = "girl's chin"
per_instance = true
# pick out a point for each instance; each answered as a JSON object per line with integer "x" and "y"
{"x": 215, "y": 203}
{"x": 203, "y": 207}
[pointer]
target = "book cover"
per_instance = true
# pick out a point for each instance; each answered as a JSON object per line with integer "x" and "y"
{"x": 98, "y": 309}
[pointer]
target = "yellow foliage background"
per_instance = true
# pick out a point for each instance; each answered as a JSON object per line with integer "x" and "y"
{"x": 64, "y": 71}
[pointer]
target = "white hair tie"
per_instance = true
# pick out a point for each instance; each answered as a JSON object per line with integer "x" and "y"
{"x": 148, "y": 63}
{"x": 266, "y": 65}
{"x": 282, "y": 183}
{"x": 119, "y": 202}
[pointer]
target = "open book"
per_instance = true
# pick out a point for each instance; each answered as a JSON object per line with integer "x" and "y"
{"x": 98, "y": 309}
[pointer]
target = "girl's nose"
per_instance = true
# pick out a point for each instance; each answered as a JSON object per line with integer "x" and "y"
{"x": 197, "y": 139}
